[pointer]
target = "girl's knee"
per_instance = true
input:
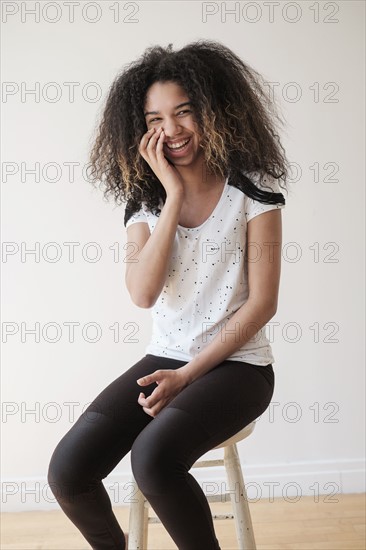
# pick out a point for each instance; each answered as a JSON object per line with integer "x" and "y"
{"x": 154, "y": 468}
{"x": 64, "y": 476}
{"x": 58, "y": 472}
{"x": 160, "y": 453}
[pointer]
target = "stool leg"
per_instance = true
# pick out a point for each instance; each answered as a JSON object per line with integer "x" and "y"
{"x": 138, "y": 521}
{"x": 241, "y": 512}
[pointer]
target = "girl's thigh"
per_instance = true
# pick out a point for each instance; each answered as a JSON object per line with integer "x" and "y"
{"x": 210, "y": 409}
{"x": 204, "y": 414}
{"x": 227, "y": 398}
{"x": 118, "y": 400}
{"x": 222, "y": 401}
{"x": 105, "y": 431}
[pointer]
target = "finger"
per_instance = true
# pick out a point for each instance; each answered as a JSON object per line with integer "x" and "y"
{"x": 147, "y": 135}
{"x": 147, "y": 408}
{"x": 147, "y": 411}
{"x": 141, "y": 400}
{"x": 152, "y": 410}
{"x": 145, "y": 138}
{"x": 143, "y": 381}
{"x": 159, "y": 147}
{"x": 148, "y": 379}
{"x": 153, "y": 399}
{"x": 152, "y": 141}
{"x": 144, "y": 401}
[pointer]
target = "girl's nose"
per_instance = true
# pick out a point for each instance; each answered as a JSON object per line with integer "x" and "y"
{"x": 171, "y": 129}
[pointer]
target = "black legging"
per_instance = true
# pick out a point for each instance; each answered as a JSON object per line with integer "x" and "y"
{"x": 163, "y": 448}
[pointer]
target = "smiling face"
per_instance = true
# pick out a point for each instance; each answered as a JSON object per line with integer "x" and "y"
{"x": 167, "y": 106}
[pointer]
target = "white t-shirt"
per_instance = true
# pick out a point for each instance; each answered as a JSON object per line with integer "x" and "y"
{"x": 207, "y": 279}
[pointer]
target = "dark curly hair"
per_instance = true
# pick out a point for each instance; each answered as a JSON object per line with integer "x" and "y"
{"x": 234, "y": 113}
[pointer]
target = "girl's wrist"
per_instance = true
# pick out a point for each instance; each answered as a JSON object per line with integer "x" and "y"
{"x": 189, "y": 372}
{"x": 176, "y": 196}
{"x": 186, "y": 374}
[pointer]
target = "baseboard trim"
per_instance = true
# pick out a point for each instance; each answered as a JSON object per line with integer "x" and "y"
{"x": 290, "y": 481}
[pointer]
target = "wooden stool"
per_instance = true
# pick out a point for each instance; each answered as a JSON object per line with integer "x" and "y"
{"x": 139, "y": 509}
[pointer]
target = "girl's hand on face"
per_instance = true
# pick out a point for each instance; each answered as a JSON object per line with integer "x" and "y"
{"x": 170, "y": 383}
{"x": 151, "y": 149}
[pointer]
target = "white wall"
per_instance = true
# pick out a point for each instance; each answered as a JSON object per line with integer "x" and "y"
{"x": 310, "y": 440}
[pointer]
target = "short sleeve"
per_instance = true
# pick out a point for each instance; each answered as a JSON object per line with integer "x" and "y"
{"x": 254, "y": 207}
{"x": 134, "y": 217}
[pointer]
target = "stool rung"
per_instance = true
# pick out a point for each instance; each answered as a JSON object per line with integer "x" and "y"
{"x": 215, "y": 516}
{"x": 222, "y": 516}
{"x": 223, "y": 497}
{"x": 204, "y": 463}
{"x": 153, "y": 520}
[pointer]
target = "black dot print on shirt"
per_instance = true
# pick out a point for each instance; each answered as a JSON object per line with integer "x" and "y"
{"x": 220, "y": 282}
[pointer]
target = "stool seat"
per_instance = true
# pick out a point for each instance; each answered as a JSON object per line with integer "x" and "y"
{"x": 242, "y": 434}
{"x": 139, "y": 509}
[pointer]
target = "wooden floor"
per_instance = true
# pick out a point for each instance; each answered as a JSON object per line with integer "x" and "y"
{"x": 278, "y": 525}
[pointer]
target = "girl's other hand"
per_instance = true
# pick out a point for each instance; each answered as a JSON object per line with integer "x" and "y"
{"x": 151, "y": 149}
{"x": 170, "y": 383}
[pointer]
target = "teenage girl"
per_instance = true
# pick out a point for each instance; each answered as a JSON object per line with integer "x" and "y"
{"x": 188, "y": 140}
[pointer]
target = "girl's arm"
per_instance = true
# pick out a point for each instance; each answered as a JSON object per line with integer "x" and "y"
{"x": 145, "y": 277}
{"x": 264, "y": 234}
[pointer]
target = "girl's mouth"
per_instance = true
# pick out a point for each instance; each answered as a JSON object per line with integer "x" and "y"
{"x": 179, "y": 147}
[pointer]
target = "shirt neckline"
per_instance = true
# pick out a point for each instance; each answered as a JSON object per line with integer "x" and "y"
{"x": 212, "y": 213}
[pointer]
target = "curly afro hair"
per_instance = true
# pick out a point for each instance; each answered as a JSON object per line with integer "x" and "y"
{"x": 237, "y": 119}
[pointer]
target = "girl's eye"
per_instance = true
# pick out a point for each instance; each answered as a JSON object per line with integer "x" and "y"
{"x": 185, "y": 111}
